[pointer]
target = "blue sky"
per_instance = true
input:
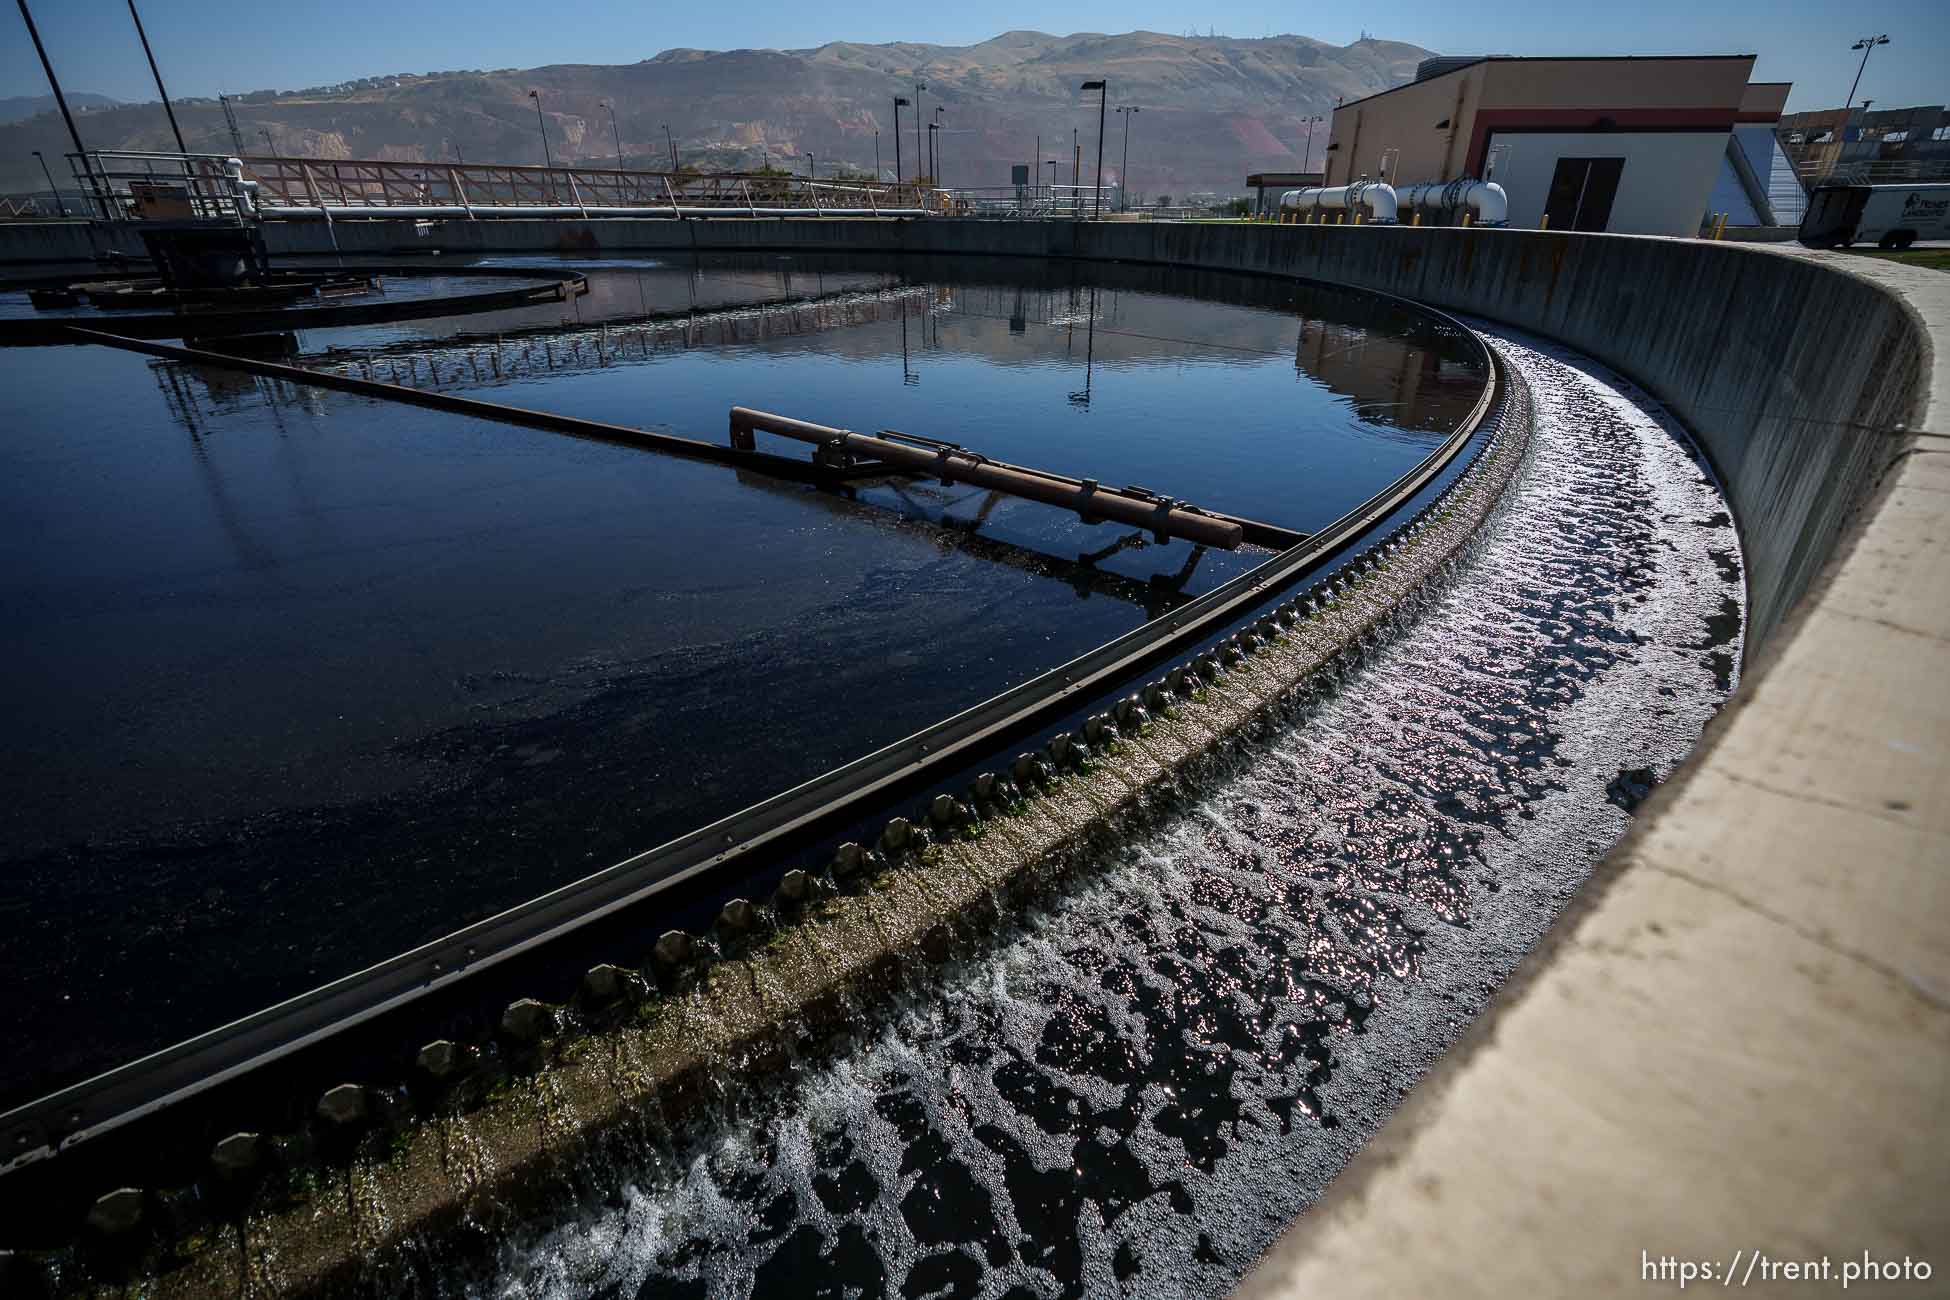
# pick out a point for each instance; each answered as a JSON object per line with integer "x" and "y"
{"x": 210, "y": 45}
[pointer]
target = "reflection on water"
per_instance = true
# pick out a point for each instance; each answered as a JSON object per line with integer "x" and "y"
{"x": 1259, "y": 397}
{"x": 299, "y": 678}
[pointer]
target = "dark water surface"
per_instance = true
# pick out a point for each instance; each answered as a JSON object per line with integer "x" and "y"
{"x": 297, "y": 679}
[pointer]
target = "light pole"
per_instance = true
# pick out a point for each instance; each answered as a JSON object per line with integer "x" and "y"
{"x": 1124, "y": 172}
{"x": 548, "y": 158}
{"x": 268, "y": 146}
{"x": 673, "y": 146}
{"x": 59, "y": 205}
{"x": 615, "y": 133}
{"x": 1306, "y": 162}
{"x": 876, "y": 155}
{"x": 1847, "y": 106}
{"x": 900, "y": 102}
{"x": 919, "y": 86}
{"x": 1867, "y": 45}
{"x": 811, "y": 175}
{"x": 80, "y": 149}
{"x": 934, "y": 172}
{"x": 1103, "y": 95}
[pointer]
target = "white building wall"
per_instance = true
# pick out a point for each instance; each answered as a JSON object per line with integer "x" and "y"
{"x": 1662, "y": 191}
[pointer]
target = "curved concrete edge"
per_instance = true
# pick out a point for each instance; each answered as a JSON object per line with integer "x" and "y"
{"x": 1736, "y": 1043}
{"x": 362, "y": 1222}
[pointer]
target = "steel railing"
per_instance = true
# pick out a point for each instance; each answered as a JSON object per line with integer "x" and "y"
{"x": 119, "y": 181}
{"x": 1873, "y": 171}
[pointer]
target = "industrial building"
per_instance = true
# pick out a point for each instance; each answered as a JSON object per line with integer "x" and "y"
{"x": 1633, "y": 145}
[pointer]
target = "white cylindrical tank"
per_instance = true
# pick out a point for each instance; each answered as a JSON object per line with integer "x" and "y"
{"x": 1485, "y": 199}
{"x": 1379, "y": 199}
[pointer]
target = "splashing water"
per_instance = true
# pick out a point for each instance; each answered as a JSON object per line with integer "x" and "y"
{"x": 1141, "y": 1083}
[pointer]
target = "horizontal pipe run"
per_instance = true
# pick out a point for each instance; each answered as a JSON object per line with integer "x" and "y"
{"x": 1160, "y": 514}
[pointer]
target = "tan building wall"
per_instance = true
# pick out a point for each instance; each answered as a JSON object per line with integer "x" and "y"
{"x": 1534, "y": 94}
{"x": 1407, "y": 119}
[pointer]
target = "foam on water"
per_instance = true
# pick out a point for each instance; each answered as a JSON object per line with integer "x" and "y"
{"x": 1139, "y": 1085}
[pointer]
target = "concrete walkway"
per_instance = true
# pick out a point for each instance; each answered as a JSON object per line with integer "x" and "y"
{"x": 1738, "y": 1039}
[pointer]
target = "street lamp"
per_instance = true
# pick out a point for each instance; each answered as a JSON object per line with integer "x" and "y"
{"x": 919, "y": 86}
{"x": 1103, "y": 95}
{"x": 548, "y": 158}
{"x": 876, "y": 155}
{"x": 935, "y": 140}
{"x": 1867, "y": 45}
{"x": 673, "y": 145}
{"x": 811, "y": 175}
{"x": 615, "y": 132}
{"x": 934, "y": 172}
{"x": 900, "y": 102}
{"x": 1124, "y": 172}
{"x": 53, "y": 191}
{"x": 1306, "y": 162}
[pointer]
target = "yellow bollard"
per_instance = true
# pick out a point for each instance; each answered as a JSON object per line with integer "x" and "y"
{"x": 1545, "y": 224}
{"x": 1417, "y": 221}
{"x": 1467, "y": 214}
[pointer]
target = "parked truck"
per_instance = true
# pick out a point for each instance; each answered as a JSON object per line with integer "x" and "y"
{"x": 1893, "y": 216}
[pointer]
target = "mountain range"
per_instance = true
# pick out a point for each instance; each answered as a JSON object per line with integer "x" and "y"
{"x": 18, "y": 108}
{"x": 1210, "y": 110}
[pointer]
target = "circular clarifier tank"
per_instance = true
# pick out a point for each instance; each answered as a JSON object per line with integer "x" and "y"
{"x": 299, "y": 679}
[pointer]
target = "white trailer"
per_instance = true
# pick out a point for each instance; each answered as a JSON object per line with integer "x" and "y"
{"x": 1893, "y": 216}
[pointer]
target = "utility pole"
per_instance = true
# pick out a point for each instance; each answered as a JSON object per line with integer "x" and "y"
{"x": 1103, "y": 95}
{"x": 154, "y": 72}
{"x": 1124, "y": 172}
